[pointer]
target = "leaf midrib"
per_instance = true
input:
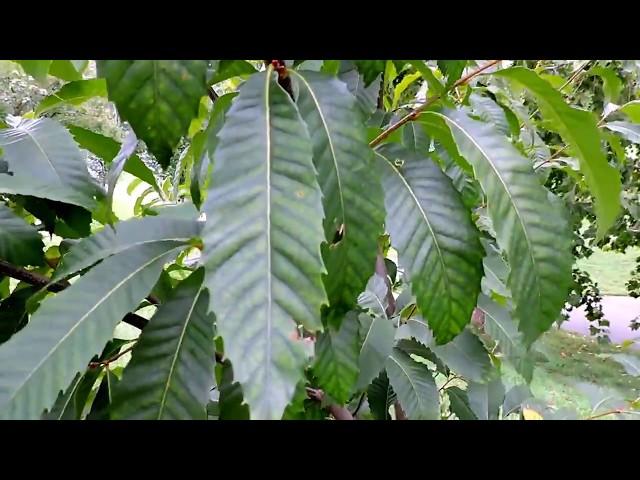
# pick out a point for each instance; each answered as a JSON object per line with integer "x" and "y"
{"x": 331, "y": 147}
{"x": 445, "y": 273}
{"x": 506, "y": 189}
{"x": 174, "y": 360}
{"x": 413, "y": 385}
{"x": 80, "y": 321}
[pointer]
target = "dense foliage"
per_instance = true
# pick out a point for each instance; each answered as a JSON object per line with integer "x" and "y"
{"x": 365, "y": 239}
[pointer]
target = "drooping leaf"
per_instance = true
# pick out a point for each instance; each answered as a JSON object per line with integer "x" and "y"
{"x": 381, "y": 396}
{"x": 629, "y": 131}
{"x": 514, "y": 399}
{"x": 117, "y": 165}
{"x": 499, "y": 325}
{"x": 459, "y": 404}
{"x": 485, "y": 399}
{"x": 20, "y": 243}
{"x": 435, "y": 85}
{"x": 64, "y": 408}
{"x": 231, "y": 68}
{"x": 452, "y": 69}
{"x": 205, "y": 144}
{"x": 490, "y": 112}
{"x": 73, "y": 93}
{"x": 530, "y": 229}
{"x": 171, "y": 368}
{"x": 336, "y": 363}
{"x": 342, "y": 157}
{"x": 413, "y": 384}
{"x": 612, "y": 85}
{"x": 465, "y": 354}
{"x": 63, "y": 219}
{"x": 370, "y": 69}
{"x": 101, "y": 405}
{"x": 46, "y": 163}
{"x": 38, "y": 69}
{"x": 264, "y": 267}
{"x": 377, "y": 344}
{"x": 69, "y": 70}
{"x": 127, "y": 235}
{"x": 232, "y": 405}
{"x": 107, "y": 149}
{"x": 69, "y": 328}
{"x": 366, "y": 97}
{"x": 578, "y": 128}
{"x": 158, "y": 98}
{"x": 13, "y": 311}
{"x": 435, "y": 238}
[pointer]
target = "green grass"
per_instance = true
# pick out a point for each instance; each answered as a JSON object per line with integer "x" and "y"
{"x": 610, "y": 270}
{"x": 572, "y": 361}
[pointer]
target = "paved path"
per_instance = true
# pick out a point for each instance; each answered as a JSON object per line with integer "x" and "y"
{"x": 618, "y": 310}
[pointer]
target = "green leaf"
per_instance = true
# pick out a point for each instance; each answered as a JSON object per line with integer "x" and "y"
{"x": 612, "y": 85}
{"x": 73, "y": 93}
{"x": 13, "y": 311}
{"x": 64, "y": 408}
{"x": 501, "y": 328}
{"x": 158, "y": 98}
{"x": 415, "y": 139}
{"x": 530, "y": 229}
{"x": 370, "y": 69}
{"x": 68, "y": 70}
{"x": 171, "y": 369}
{"x": 343, "y": 160}
{"x": 366, "y": 97}
{"x": 459, "y": 403}
{"x": 435, "y": 85}
{"x": 629, "y": 131}
{"x": 579, "y": 129}
{"x": 127, "y": 235}
{"x": 336, "y": 364}
{"x": 20, "y": 243}
{"x": 38, "y": 69}
{"x": 514, "y": 399}
{"x": 632, "y": 110}
{"x": 231, "y": 68}
{"x": 414, "y": 386}
{"x": 100, "y": 407}
{"x": 381, "y": 396}
{"x": 107, "y": 149}
{"x": 205, "y": 145}
{"x": 232, "y": 405}
{"x": 465, "y": 354}
{"x": 452, "y": 69}
{"x": 485, "y": 399}
{"x": 264, "y": 267}
{"x": 67, "y": 329}
{"x": 435, "y": 238}
{"x": 46, "y": 163}
{"x": 117, "y": 165}
{"x": 377, "y": 344}
{"x": 490, "y": 112}
{"x": 401, "y": 87}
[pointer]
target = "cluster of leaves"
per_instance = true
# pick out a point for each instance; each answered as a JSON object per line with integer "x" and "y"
{"x": 323, "y": 236}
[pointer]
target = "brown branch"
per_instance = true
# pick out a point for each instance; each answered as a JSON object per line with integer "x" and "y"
{"x": 400, "y": 415}
{"x": 416, "y": 113}
{"x": 32, "y": 278}
{"x": 110, "y": 360}
{"x": 337, "y": 411}
{"x": 604, "y": 414}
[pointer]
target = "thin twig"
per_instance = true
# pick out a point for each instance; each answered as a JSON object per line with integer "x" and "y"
{"x": 609, "y": 412}
{"x": 416, "y": 113}
{"x": 112, "y": 359}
